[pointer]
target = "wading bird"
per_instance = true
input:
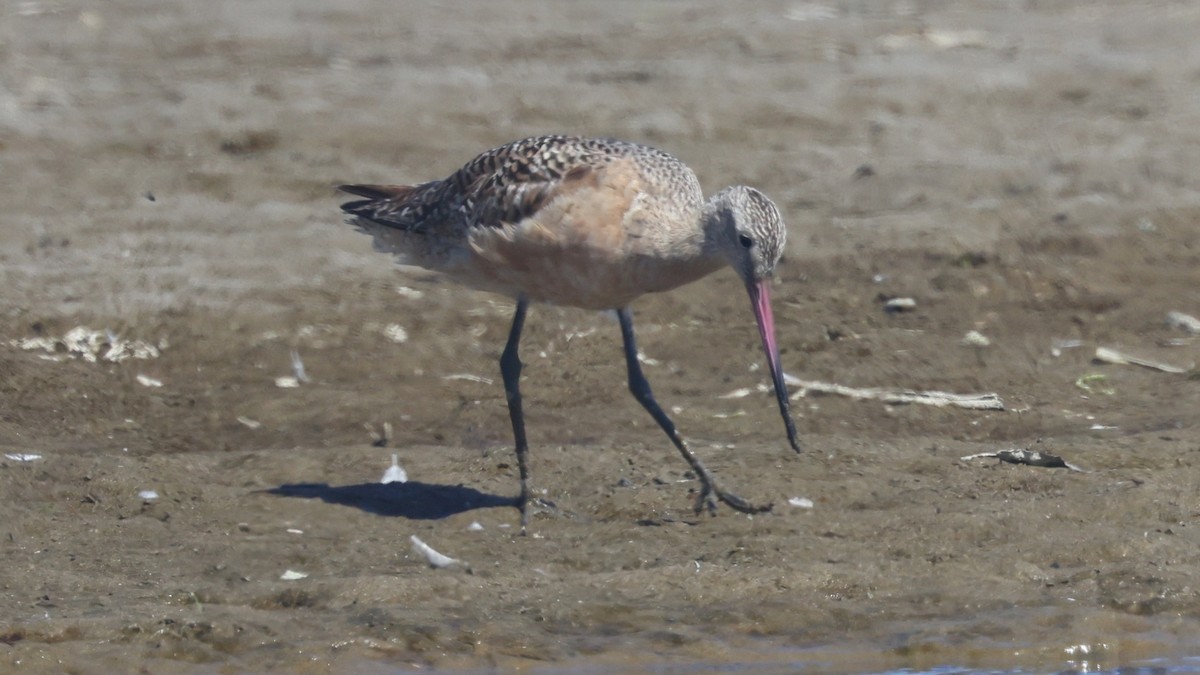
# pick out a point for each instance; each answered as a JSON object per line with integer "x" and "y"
{"x": 591, "y": 223}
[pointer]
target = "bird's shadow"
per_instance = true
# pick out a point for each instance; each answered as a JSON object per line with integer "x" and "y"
{"x": 413, "y": 500}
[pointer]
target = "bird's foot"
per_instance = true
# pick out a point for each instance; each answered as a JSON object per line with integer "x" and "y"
{"x": 526, "y": 505}
{"x": 741, "y": 505}
{"x": 710, "y": 494}
{"x": 522, "y": 504}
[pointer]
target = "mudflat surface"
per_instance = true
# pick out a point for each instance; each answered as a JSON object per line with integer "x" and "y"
{"x": 1024, "y": 170}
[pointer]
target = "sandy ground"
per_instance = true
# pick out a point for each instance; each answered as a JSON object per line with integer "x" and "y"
{"x": 1026, "y": 170}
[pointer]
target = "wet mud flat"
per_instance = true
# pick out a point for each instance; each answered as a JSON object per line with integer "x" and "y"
{"x": 1023, "y": 175}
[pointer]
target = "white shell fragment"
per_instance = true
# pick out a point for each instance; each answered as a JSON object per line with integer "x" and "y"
{"x": 287, "y": 382}
{"x": 147, "y": 381}
{"x": 474, "y": 526}
{"x": 896, "y": 305}
{"x": 396, "y": 333}
{"x": 801, "y": 502}
{"x": 292, "y": 575}
{"x": 90, "y": 345}
{"x": 22, "y": 457}
{"x": 148, "y": 495}
{"x": 410, "y": 293}
{"x": 435, "y": 559}
{"x": 395, "y": 473}
{"x": 647, "y": 360}
{"x": 1183, "y": 321}
{"x": 974, "y": 338}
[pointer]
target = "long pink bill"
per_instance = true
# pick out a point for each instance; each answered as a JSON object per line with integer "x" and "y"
{"x": 760, "y": 297}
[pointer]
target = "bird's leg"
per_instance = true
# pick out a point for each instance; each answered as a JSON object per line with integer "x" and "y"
{"x": 510, "y": 370}
{"x": 640, "y": 388}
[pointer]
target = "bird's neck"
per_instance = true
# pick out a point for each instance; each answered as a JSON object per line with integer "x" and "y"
{"x": 715, "y": 223}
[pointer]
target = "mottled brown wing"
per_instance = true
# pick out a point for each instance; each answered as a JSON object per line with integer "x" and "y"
{"x": 497, "y": 200}
{"x": 510, "y": 183}
{"x": 501, "y": 186}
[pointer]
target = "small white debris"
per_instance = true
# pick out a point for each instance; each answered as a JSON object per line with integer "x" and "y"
{"x": 148, "y": 495}
{"x": 737, "y": 393}
{"x": 974, "y": 338}
{"x": 939, "y": 399}
{"x": 573, "y": 335}
{"x": 22, "y": 457}
{"x": 801, "y": 502}
{"x": 292, "y": 530}
{"x": 468, "y": 377}
{"x": 1109, "y": 355}
{"x": 410, "y": 293}
{"x": 952, "y": 39}
{"x": 287, "y": 382}
{"x": 647, "y": 360}
{"x": 147, "y": 381}
{"x": 1183, "y": 321}
{"x": 435, "y": 559}
{"x": 937, "y": 39}
{"x": 394, "y": 473}
{"x": 810, "y": 12}
{"x": 292, "y": 575}
{"x": 396, "y": 333}
{"x": 298, "y": 367}
{"x": 1057, "y": 346}
{"x": 474, "y": 527}
{"x": 380, "y": 439}
{"x": 897, "y": 305}
{"x": 1101, "y": 427}
{"x": 28, "y": 344}
{"x": 253, "y": 424}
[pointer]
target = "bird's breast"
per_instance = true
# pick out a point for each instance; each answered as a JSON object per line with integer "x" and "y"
{"x": 595, "y": 258}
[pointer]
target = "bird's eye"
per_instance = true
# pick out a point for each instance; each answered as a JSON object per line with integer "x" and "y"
{"x": 745, "y": 241}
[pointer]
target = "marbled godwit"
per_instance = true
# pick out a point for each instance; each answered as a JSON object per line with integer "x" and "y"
{"x": 591, "y": 223}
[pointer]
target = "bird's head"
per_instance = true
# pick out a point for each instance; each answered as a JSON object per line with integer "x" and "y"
{"x": 751, "y": 232}
{"x": 746, "y": 228}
